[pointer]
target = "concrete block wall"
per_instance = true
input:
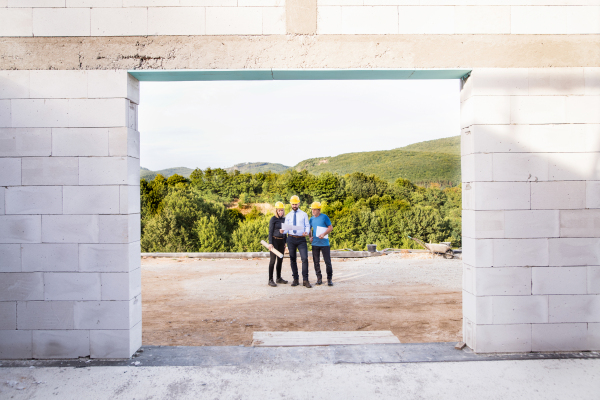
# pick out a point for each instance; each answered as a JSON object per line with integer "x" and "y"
{"x": 531, "y": 216}
{"x": 142, "y": 17}
{"x": 70, "y": 281}
{"x": 458, "y": 17}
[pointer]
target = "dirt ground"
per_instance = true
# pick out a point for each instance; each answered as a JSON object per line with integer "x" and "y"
{"x": 201, "y": 302}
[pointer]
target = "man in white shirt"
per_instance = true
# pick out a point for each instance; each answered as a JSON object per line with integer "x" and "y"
{"x": 297, "y": 240}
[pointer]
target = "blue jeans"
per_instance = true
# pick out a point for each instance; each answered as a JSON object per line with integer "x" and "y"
{"x": 300, "y": 244}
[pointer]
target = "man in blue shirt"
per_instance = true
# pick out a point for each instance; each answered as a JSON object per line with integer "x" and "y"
{"x": 321, "y": 226}
{"x": 297, "y": 240}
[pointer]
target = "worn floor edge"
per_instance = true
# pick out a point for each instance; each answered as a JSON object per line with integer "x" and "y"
{"x": 210, "y": 356}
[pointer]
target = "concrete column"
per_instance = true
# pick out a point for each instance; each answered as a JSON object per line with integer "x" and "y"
{"x": 70, "y": 282}
{"x": 531, "y": 209}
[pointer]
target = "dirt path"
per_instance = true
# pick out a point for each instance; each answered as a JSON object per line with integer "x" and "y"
{"x": 191, "y": 302}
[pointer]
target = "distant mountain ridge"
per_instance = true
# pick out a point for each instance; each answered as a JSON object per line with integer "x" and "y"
{"x": 424, "y": 162}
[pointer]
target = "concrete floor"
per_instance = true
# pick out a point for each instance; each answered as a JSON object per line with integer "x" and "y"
{"x": 510, "y": 379}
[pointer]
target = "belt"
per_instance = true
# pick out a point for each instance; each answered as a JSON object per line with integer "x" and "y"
{"x": 296, "y": 236}
{"x": 277, "y": 237}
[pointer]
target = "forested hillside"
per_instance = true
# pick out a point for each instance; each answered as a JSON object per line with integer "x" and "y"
{"x": 145, "y": 173}
{"x": 255, "y": 167}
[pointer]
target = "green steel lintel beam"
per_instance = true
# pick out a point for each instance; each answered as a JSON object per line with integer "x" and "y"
{"x": 295, "y": 74}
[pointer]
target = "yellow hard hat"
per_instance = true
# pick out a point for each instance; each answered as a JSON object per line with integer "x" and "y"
{"x": 279, "y": 205}
{"x": 295, "y": 200}
{"x": 316, "y": 204}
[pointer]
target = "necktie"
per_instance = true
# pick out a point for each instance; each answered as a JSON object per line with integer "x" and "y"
{"x": 294, "y": 221}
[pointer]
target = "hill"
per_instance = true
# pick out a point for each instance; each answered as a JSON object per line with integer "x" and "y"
{"x": 255, "y": 167}
{"x": 145, "y": 173}
{"x": 422, "y": 163}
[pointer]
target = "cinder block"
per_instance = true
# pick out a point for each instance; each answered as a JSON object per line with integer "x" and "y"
{"x": 490, "y": 110}
{"x": 559, "y": 280}
{"x": 503, "y": 338}
{"x": 5, "y": 114}
{"x": 50, "y": 171}
{"x": 483, "y": 224}
{"x": 580, "y": 223}
{"x": 2, "y": 193}
{"x": 135, "y": 311}
{"x": 34, "y": 200}
{"x": 536, "y": 20}
{"x": 49, "y": 257}
{"x": 133, "y": 90}
{"x": 133, "y": 171}
{"x": 468, "y": 279}
{"x": 261, "y": 3}
{"x": 98, "y": 112}
{"x": 21, "y": 286}
{"x": 329, "y": 20}
{"x": 61, "y": 22}
{"x": 556, "y": 81}
{"x": 94, "y": 3}
{"x": 592, "y": 137}
{"x": 91, "y": 199}
{"x": 112, "y": 84}
{"x": 8, "y": 315}
{"x": 273, "y": 20}
{"x": 135, "y": 259}
{"x": 119, "y": 22}
{"x": 501, "y": 195}
{"x": 592, "y": 81}
{"x": 478, "y": 20}
{"x": 521, "y": 167}
{"x": 573, "y": 167}
{"x": 132, "y": 116}
{"x": 105, "y": 257}
{"x": 430, "y": 20}
{"x": 593, "y": 280}
{"x": 102, "y": 315}
{"x": 123, "y": 142}
{"x": 559, "y": 337}
{"x": 103, "y": 171}
{"x": 20, "y": 229}
{"x": 520, "y": 252}
{"x": 72, "y": 286}
{"x": 39, "y": 113}
{"x": 36, "y": 3}
{"x": 477, "y": 309}
{"x": 530, "y": 224}
{"x": 82, "y": 142}
{"x": 20, "y": 142}
{"x": 14, "y": 84}
{"x": 583, "y": 20}
{"x": 176, "y": 21}
{"x": 574, "y": 308}
{"x": 208, "y": 3}
{"x": 520, "y": 309}
{"x": 10, "y": 171}
{"x": 150, "y": 3}
{"x": 370, "y": 20}
{"x": 502, "y": 281}
{"x": 574, "y": 251}
{"x": 583, "y": 109}
{"x": 114, "y": 343}
{"x": 130, "y": 199}
{"x": 233, "y": 21}
{"x": 593, "y": 342}
{"x": 15, "y": 345}
{"x": 466, "y": 142}
{"x": 70, "y": 229}
{"x": 16, "y": 22}
{"x": 45, "y": 314}
{"x": 592, "y": 194}
{"x": 478, "y": 253}
{"x": 121, "y": 286}
{"x": 116, "y": 228}
{"x": 497, "y": 81}
{"x": 558, "y": 195}
{"x": 477, "y": 168}
{"x": 134, "y": 227}
{"x": 10, "y": 258}
{"x": 61, "y": 344}
{"x": 538, "y": 110}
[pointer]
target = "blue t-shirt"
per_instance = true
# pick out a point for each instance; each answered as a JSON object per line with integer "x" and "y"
{"x": 323, "y": 221}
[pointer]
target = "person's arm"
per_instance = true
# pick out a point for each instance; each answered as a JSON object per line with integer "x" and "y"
{"x": 306, "y": 226}
{"x": 310, "y": 232}
{"x": 285, "y": 221}
{"x": 329, "y": 229}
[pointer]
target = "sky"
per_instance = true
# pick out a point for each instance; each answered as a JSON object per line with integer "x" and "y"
{"x": 220, "y": 124}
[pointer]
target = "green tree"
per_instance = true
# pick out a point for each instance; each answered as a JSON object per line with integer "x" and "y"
{"x": 211, "y": 235}
{"x": 249, "y": 233}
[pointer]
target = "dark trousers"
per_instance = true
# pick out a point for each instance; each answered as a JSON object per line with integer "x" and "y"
{"x": 279, "y": 245}
{"x": 326, "y": 257}
{"x": 300, "y": 244}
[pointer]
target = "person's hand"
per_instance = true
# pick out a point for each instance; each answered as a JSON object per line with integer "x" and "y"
{"x": 281, "y": 231}
{"x": 310, "y": 239}
{"x": 270, "y": 247}
{"x": 304, "y": 234}
{"x": 321, "y": 236}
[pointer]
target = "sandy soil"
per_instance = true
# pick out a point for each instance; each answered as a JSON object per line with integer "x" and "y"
{"x": 195, "y": 302}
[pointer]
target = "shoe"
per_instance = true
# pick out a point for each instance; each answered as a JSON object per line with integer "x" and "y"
{"x": 319, "y": 281}
{"x": 281, "y": 280}
{"x": 295, "y": 282}
{"x": 271, "y": 283}
{"x": 329, "y": 282}
{"x": 306, "y": 284}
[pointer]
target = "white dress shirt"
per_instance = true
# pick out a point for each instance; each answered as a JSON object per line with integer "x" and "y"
{"x": 301, "y": 220}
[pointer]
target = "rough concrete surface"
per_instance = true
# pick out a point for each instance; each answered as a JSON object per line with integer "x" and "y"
{"x": 532, "y": 380}
{"x": 300, "y": 51}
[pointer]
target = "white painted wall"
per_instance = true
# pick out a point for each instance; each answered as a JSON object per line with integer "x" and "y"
{"x": 531, "y": 216}
{"x": 70, "y": 282}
